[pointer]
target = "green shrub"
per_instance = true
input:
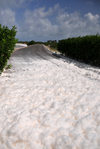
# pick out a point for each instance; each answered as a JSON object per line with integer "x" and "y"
{"x": 86, "y": 49}
{"x": 8, "y": 66}
{"x": 32, "y": 42}
{"x": 7, "y": 43}
{"x": 51, "y": 44}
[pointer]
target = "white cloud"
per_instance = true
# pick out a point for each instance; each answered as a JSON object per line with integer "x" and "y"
{"x": 13, "y": 3}
{"x": 38, "y": 25}
{"x": 54, "y": 23}
{"x": 73, "y": 24}
{"x": 7, "y": 17}
{"x": 42, "y": 24}
{"x": 91, "y": 17}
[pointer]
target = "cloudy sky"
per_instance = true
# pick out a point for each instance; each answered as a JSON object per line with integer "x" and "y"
{"x": 43, "y": 20}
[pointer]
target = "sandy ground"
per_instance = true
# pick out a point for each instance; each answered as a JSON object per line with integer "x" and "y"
{"x": 48, "y": 102}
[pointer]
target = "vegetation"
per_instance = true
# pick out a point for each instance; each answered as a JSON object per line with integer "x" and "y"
{"x": 85, "y": 49}
{"x": 23, "y": 42}
{"x": 31, "y": 43}
{"x": 51, "y": 44}
{"x": 8, "y": 66}
{"x": 7, "y": 43}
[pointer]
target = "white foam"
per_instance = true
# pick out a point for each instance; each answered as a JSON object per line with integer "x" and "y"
{"x": 49, "y": 105}
{"x": 20, "y": 45}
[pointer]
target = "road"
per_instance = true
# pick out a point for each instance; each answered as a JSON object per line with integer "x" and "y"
{"x": 48, "y": 101}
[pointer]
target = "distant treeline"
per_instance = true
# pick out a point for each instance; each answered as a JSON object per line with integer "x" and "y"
{"x": 51, "y": 43}
{"x": 85, "y": 49}
{"x": 7, "y": 44}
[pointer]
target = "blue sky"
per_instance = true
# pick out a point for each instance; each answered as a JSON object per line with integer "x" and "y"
{"x": 43, "y": 20}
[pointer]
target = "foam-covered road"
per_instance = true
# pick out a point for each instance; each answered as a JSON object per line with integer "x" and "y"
{"x": 48, "y": 102}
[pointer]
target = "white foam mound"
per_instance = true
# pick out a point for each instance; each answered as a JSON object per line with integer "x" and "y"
{"x": 20, "y": 45}
{"x": 49, "y": 103}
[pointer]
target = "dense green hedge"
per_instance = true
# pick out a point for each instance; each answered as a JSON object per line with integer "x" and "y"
{"x": 86, "y": 49}
{"x": 7, "y": 43}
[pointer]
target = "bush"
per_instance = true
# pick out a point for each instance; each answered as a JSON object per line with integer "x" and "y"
{"x": 51, "y": 44}
{"x": 8, "y": 66}
{"x": 85, "y": 49}
{"x": 32, "y": 42}
{"x": 7, "y": 43}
